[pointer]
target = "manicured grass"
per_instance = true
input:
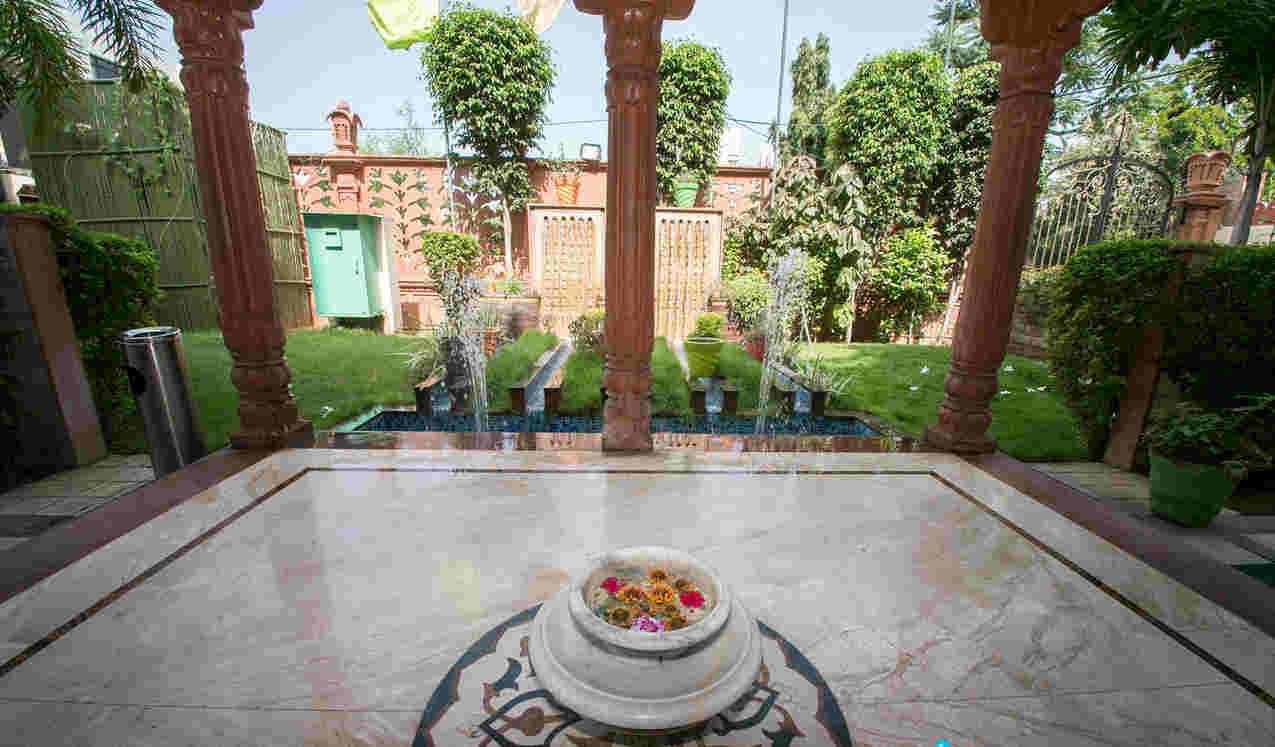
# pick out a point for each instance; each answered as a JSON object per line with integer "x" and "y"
{"x": 903, "y": 384}
{"x": 669, "y": 394}
{"x": 349, "y": 371}
{"x": 582, "y": 382}
{"x": 511, "y": 363}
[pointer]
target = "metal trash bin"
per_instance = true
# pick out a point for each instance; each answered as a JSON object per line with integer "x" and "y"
{"x": 157, "y": 376}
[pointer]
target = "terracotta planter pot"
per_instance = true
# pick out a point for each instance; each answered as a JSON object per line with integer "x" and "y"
{"x": 491, "y": 342}
{"x": 567, "y": 191}
{"x": 756, "y": 350}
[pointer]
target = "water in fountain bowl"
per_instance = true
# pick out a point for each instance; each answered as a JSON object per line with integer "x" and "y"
{"x": 797, "y": 425}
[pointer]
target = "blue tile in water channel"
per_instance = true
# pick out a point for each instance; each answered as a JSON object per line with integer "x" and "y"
{"x": 799, "y": 425}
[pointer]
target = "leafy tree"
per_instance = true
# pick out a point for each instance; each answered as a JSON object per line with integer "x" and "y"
{"x": 966, "y": 43}
{"x": 812, "y": 93}
{"x": 694, "y": 85}
{"x": 40, "y": 57}
{"x": 902, "y": 286}
{"x": 890, "y": 124}
{"x": 820, "y": 217}
{"x": 411, "y": 140}
{"x": 958, "y": 184}
{"x": 490, "y": 75}
{"x": 1231, "y": 42}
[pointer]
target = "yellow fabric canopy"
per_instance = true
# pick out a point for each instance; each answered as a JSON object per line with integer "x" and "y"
{"x": 402, "y": 23}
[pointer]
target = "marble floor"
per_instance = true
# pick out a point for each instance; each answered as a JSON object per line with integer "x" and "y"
{"x": 320, "y": 595}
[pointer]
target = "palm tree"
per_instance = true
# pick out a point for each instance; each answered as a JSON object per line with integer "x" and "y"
{"x": 40, "y": 59}
{"x": 1233, "y": 61}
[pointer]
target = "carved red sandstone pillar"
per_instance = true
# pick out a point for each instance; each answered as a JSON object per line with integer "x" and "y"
{"x": 209, "y": 35}
{"x": 632, "y": 89}
{"x": 1029, "y": 38}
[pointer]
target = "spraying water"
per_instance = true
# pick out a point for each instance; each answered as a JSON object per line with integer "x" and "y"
{"x": 464, "y": 325}
{"x": 788, "y": 291}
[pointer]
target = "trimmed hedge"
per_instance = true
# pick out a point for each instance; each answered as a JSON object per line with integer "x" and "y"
{"x": 444, "y": 250}
{"x": 1217, "y": 342}
{"x": 511, "y": 363}
{"x": 110, "y": 283}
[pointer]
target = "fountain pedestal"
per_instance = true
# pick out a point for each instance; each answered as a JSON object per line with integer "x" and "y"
{"x": 641, "y": 682}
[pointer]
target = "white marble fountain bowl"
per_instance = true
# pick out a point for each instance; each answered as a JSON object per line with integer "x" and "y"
{"x": 640, "y": 681}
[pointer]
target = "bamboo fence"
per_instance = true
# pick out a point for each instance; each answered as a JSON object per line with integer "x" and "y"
{"x": 125, "y": 164}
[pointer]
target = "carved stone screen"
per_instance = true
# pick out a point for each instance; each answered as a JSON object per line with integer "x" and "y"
{"x": 567, "y": 264}
{"x": 688, "y": 264}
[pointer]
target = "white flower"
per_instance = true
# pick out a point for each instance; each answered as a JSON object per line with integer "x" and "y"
{"x": 1086, "y": 382}
{"x": 913, "y": 388}
{"x": 1008, "y": 368}
{"x": 324, "y": 412}
{"x": 1004, "y": 391}
{"x": 925, "y": 369}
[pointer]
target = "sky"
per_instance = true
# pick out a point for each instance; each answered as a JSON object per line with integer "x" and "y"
{"x": 302, "y": 57}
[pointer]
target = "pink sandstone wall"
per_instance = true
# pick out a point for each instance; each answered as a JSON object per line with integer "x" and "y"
{"x": 409, "y": 193}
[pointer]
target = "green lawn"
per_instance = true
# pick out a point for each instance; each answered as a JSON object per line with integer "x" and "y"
{"x": 347, "y": 370}
{"x": 903, "y": 384}
{"x": 511, "y": 363}
{"x": 339, "y": 373}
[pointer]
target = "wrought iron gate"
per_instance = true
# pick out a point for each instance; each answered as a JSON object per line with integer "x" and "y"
{"x": 1095, "y": 198}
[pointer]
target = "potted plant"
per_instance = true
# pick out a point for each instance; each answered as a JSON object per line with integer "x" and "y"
{"x": 704, "y": 346}
{"x": 755, "y": 344}
{"x": 564, "y": 174}
{"x": 1197, "y": 459}
{"x": 685, "y": 189}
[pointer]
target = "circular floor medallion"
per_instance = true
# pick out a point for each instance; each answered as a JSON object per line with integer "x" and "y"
{"x": 491, "y": 698}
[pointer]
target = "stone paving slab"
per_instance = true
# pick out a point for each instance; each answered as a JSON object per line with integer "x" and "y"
{"x": 31, "y": 509}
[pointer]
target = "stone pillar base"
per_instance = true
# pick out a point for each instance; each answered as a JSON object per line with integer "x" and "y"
{"x": 271, "y": 439}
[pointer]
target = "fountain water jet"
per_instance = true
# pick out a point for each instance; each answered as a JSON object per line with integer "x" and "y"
{"x": 463, "y": 326}
{"x": 788, "y": 292}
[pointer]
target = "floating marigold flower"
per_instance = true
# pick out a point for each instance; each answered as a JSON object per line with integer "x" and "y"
{"x": 660, "y": 593}
{"x": 647, "y": 624}
{"x": 691, "y": 599}
{"x": 621, "y": 616}
{"x": 676, "y": 622}
{"x": 657, "y": 575}
{"x": 612, "y": 585}
{"x": 682, "y": 584}
{"x": 630, "y": 593}
{"x": 665, "y": 610}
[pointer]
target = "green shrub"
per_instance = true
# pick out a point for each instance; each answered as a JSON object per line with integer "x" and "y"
{"x": 511, "y": 363}
{"x": 741, "y": 370}
{"x": 1035, "y": 289}
{"x": 747, "y": 296}
{"x": 444, "y": 250}
{"x": 669, "y": 394}
{"x": 588, "y": 331}
{"x": 582, "y": 382}
{"x": 110, "y": 285}
{"x": 708, "y": 325}
{"x": 1101, "y": 302}
{"x": 1219, "y": 345}
{"x": 904, "y": 283}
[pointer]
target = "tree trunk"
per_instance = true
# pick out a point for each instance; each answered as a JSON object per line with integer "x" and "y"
{"x": 1256, "y": 163}
{"x": 509, "y": 254}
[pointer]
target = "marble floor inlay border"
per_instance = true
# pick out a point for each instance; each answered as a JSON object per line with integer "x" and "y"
{"x": 141, "y": 578}
{"x": 1132, "y": 606}
{"x": 777, "y": 470}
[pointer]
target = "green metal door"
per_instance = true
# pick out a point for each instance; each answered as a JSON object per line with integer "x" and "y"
{"x": 338, "y": 265}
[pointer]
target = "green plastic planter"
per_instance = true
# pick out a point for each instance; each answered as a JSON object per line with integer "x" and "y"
{"x": 702, "y": 354}
{"x": 684, "y": 191}
{"x": 1188, "y": 494}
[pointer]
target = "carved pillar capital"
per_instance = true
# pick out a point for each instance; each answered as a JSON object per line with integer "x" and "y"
{"x": 632, "y": 90}
{"x": 1029, "y": 38}
{"x": 209, "y": 34}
